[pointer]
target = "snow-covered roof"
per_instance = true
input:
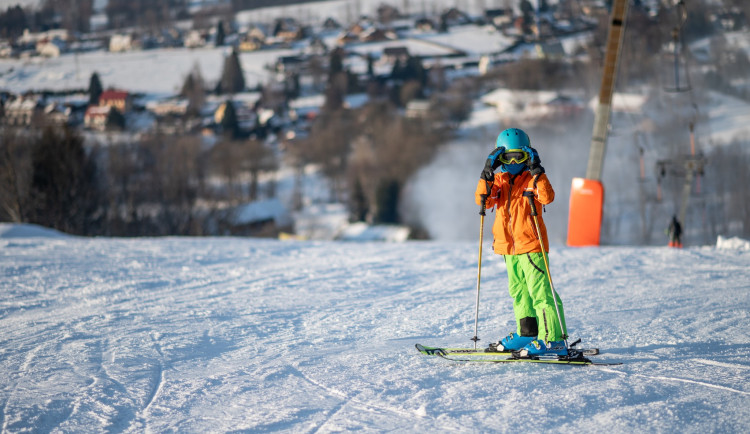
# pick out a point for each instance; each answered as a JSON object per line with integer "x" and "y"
{"x": 471, "y": 39}
{"x": 504, "y": 96}
{"x": 364, "y": 232}
{"x": 624, "y": 102}
{"x": 321, "y": 221}
{"x": 527, "y": 104}
{"x": 262, "y": 210}
{"x": 415, "y": 46}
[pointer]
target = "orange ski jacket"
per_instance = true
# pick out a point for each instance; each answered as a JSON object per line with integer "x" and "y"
{"x": 514, "y": 230}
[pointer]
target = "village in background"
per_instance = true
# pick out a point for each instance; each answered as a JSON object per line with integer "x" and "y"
{"x": 321, "y": 120}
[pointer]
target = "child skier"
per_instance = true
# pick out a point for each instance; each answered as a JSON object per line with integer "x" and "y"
{"x": 537, "y": 324}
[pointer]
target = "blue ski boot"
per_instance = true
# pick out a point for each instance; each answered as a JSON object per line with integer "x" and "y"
{"x": 540, "y": 347}
{"x": 512, "y": 342}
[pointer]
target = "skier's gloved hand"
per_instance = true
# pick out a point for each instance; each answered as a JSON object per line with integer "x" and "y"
{"x": 492, "y": 163}
{"x": 487, "y": 173}
{"x": 534, "y": 163}
{"x": 494, "y": 157}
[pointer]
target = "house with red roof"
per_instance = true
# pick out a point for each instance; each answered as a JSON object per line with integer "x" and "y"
{"x": 119, "y": 99}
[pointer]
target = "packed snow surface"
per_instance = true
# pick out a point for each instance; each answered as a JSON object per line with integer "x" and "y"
{"x": 228, "y": 334}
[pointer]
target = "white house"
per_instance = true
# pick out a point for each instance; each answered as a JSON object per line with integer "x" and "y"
{"x": 122, "y": 42}
{"x": 50, "y": 47}
{"x": 521, "y": 105}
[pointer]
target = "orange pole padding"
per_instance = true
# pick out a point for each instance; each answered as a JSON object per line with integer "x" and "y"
{"x": 586, "y": 211}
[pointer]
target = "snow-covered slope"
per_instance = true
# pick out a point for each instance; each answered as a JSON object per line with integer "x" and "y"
{"x": 225, "y": 334}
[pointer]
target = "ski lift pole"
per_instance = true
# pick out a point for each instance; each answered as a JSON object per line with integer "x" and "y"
{"x": 530, "y": 196}
{"x": 482, "y": 213}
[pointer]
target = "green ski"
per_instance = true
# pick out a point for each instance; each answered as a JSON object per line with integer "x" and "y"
{"x": 436, "y": 351}
{"x": 469, "y": 355}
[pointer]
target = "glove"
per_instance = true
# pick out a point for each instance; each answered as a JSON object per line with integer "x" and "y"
{"x": 534, "y": 163}
{"x": 487, "y": 173}
{"x": 492, "y": 163}
{"x": 493, "y": 158}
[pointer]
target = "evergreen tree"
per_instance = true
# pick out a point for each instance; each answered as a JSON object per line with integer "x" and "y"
{"x": 115, "y": 119}
{"x": 232, "y": 78}
{"x": 193, "y": 89}
{"x": 336, "y": 64}
{"x": 13, "y": 22}
{"x": 220, "y": 35}
{"x": 443, "y": 26}
{"x": 335, "y": 92}
{"x": 291, "y": 87}
{"x": 527, "y": 12}
{"x": 14, "y": 168}
{"x": 230, "y": 125}
{"x": 358, "y": 206}
{"x": 370, "y": 66}
{"x": 415, "y": 71}
{"x": 95, "y": 89}
{"x": 386, "y": 198}
{"x": 296, "y": 85}
{"x": 397, "y": 73}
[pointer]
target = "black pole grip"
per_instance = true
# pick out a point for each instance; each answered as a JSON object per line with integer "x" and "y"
{"x": 484, "y": 198}
{"x": 484, "y": 205}
{"x": 530, "y": 196}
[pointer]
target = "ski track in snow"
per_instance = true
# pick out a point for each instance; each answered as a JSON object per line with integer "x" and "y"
{"x": 229, "y": 334}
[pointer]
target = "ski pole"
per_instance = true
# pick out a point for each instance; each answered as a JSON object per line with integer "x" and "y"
{"x": 479, "y": 266}
{"x": 530, "y": 196}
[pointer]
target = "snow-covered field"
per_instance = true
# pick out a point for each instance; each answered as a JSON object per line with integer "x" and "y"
{"x": 160, "y": 72}
{"x": 230, "y": 334}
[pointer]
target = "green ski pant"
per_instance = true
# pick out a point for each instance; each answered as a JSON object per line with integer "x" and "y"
{"x": 532, "y": 295}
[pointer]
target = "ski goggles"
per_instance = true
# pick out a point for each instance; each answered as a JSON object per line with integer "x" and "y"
{"x": 514, "y": 156}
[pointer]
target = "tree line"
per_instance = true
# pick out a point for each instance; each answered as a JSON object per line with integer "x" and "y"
{"x": 157, "y": 185}
{"x": 179, "y": 185}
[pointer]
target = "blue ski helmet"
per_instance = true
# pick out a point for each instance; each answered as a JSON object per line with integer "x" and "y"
{"x": 512, "y": 138}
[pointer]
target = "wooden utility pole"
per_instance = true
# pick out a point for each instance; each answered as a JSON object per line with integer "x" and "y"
{"x": 587, "y": 194}
{"x": 609, "y": 75}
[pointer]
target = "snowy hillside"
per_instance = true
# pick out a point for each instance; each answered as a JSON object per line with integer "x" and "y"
{"x": 4, "y": 4}
{"x": 228, "y": 334}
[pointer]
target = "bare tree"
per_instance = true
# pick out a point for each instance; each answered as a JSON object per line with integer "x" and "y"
{"x": 154, "y": 185}
{"x": 227, "y": 161}
{"x": 258, "y": 159}
{"x": 329, "y": 145}
{"x": 64, "y": 192}
{"x": 729, "y": 200}
{"x": 173, "y": 173}
{"x": 386, "y": 153}
{"x": 74, "y": 15}
{"x": 15, "y": 169}
{"x": 123, "y": 170}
